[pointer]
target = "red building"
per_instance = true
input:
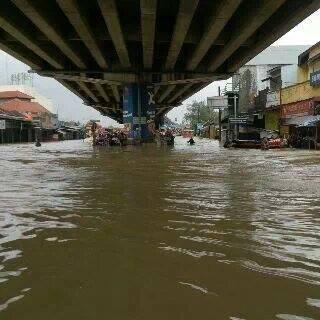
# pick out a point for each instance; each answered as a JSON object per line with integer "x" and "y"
{"x": 42, "y": 119}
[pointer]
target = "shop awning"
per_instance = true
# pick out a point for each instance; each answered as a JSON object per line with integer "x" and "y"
{"x": 305, "y": 121}
{"x": 311, "y": 122}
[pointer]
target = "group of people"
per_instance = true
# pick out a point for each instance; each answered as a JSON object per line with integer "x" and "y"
{"x": 165, "y": 136}
{"x": 111, "y": 138}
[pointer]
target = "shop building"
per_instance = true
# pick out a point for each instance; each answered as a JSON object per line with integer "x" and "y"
{"x": 15, "y": 128}
{"x": 300, "y": 103}
{"x": 259, "y": 83}
{"x": 43, "y": 120}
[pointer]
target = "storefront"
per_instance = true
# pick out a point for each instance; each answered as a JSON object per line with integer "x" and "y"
{"x": 301, "y": 123}
{"x": 272, "y": 118}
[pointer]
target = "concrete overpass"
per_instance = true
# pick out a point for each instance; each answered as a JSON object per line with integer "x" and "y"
{"x": 96, "y": 48}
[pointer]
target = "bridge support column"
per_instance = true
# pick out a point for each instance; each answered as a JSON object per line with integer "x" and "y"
{"x": 159, "y": 121}
{"x": 139, "y": 112}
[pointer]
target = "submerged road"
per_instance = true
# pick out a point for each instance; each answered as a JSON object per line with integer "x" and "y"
{"x": 158, "y": 233}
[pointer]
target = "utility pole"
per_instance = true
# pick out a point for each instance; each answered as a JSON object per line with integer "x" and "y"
{"x": 198, "y": 120}
{"x": 236, "y": 126}
{"x": 220, "y": 116}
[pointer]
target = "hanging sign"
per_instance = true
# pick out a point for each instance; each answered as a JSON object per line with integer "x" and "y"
{"x": 243, "y": 120}
{"x": 315, "y": 78}
{"x": 2, "y": 124}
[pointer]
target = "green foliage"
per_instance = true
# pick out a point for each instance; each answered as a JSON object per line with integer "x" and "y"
{"x": 199, "y": 112}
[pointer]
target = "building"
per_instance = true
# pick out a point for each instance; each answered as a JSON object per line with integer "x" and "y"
{"x": 42, "y": 120}
{"x": 31, "y": 91}
{"x": 15, "y": 127}
{"x": 300, "y": 103}
{"x": 258, "y": 85}
{"x": 275, "y": 67}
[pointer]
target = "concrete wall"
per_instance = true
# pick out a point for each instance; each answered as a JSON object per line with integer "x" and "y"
{"x": 250, "y": 80}
{"x": 248, "y": 88}
{"x": 272, "y": 119}
{"x": 289, "y": 75}
{"x": 312, "y": 66}
{"x": 303, "y": 74}
{"x": 273, "y": 99}
{"x": 299, "y": 92}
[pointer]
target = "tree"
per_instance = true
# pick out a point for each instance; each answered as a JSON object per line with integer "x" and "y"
{"x": 199, "y": 112}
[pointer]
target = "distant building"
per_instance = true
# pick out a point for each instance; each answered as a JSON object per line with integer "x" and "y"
{"x": 21, "y": 102}
{"x": 31, "y": 91}
{"x": 274, "y": 68}
{"x": 15, "y": 127}
{"x": 36, "y": 114}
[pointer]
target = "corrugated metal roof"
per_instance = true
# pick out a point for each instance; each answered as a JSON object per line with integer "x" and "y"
{"x": 15, "y": 115}
{"x": 23, "y": 106}
{"x": 278, "y": 55}
{"x": 14, "y": 94}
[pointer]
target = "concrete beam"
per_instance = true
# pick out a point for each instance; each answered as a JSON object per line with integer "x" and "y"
{"x": 274, "y": 33}
{"x": 110, "y": 14}
{"x": 161, "y": 110}
{"x": 102, "y": 92}
{"x": 187, "y": 9}
{"x": 166, "y": 93}
{"x": 78, "y": 21}
{"x": 107, "y": 77}
{"x": 250, "y": 26}
{"x": 49, "y": 29}
{"x": 77, "y": 78}
{"x": 71, "y": 88}
{"x": 180, "y": 92}
{"x": 31, "y": 61}
{"x": 27, "y": 40}
{"x": 184, "y": 81}
{"x": 219, "y": 19}
{"x": 116, "y": 93}
{"x": 87, "y": 91}
{"x": 156, "y": 89}
{"x": 148, "y": 23}
{"x": 190, "y": 94}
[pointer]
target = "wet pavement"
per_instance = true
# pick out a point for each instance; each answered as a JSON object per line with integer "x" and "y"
{"x": 184, "y": 232}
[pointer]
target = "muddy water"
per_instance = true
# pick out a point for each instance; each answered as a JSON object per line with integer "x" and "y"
{"x": 148, "y": 233}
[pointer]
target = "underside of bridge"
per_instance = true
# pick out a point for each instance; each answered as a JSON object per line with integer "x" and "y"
{"x": 95, "y": 48}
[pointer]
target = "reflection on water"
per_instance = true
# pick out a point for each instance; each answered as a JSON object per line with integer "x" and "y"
{"x": 189, "y": 232}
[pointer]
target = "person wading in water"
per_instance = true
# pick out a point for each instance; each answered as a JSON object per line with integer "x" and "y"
{"x": 191, "y": 141}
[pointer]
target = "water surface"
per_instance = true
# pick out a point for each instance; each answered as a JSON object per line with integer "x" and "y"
{"x": 189, "y": 232}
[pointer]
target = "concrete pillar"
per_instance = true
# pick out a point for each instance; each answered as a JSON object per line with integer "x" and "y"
{"x": 159, "y": 121}
{"x": 139, "y": 112}
{"x": 29, "y": 134}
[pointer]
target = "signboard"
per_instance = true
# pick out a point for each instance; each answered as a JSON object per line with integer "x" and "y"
{"x": 141, "y": 120}
{"x": 315, "y": 78}
{"x": 241, "y": 120}
{"x": 199, "y": 126}
{"x": 273, "y": 99}
{"x": 2, "y": 124}
{"x": 218, "y": 102}
{"x": 298, "y": 109}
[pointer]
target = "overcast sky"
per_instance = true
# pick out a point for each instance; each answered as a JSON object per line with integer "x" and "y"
{"x": 70, "y": 107}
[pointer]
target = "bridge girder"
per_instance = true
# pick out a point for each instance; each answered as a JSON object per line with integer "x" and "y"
{"x": 96, "y": 47}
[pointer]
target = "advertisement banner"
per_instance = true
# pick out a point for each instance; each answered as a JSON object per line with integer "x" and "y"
{"x": 138, "y": 120}
{"x": 297, "y": 109}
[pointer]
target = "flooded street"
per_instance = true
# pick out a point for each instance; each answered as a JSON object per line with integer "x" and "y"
{"x": 188, "y": 232}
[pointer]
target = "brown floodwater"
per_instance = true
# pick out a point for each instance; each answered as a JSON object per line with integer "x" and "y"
{"x": 188, "y": 232}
